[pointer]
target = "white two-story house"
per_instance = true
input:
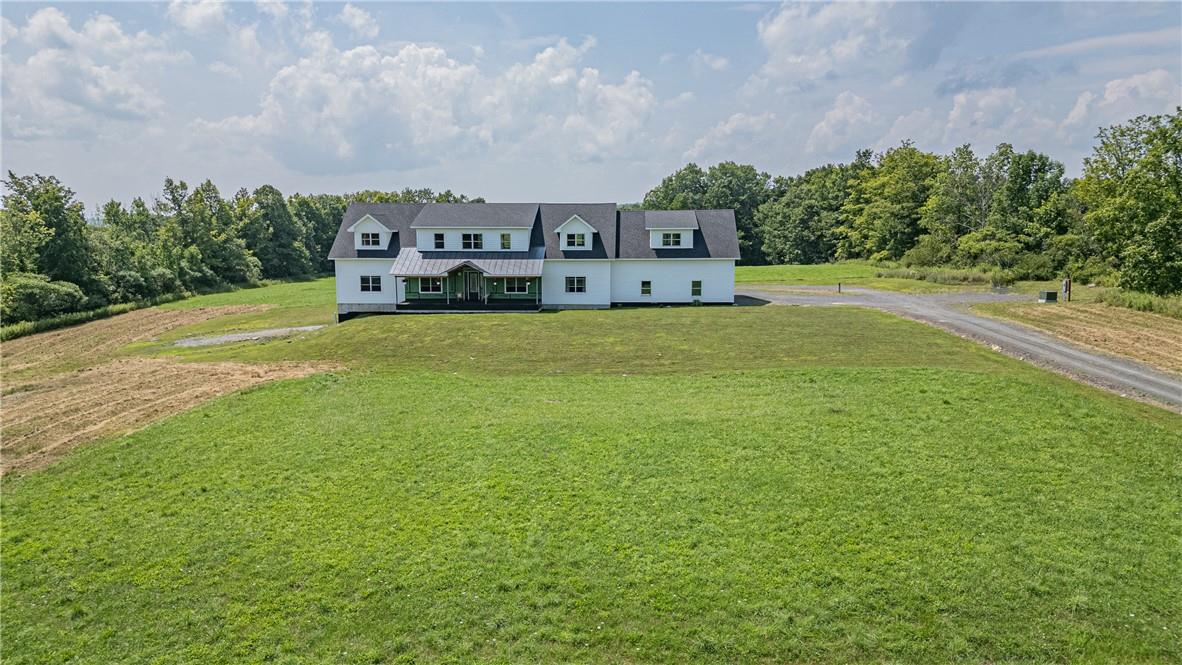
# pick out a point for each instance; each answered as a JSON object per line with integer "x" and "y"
{"x": 416, "y": 257}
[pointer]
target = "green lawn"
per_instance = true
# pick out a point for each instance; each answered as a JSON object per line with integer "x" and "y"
{"x": 652, "y": 485}
{"x": 848, "y": 273}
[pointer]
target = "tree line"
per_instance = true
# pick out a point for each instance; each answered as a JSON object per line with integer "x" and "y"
{"x": 53, "y": 260}
{"x": 1016, "y": 212}
{"x": 1008, "y": 211}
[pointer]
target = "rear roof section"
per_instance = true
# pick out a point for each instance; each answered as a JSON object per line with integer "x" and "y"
{"x": 715, "y": 237}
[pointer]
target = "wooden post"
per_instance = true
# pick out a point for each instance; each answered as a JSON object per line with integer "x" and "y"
{"x": 839, "y": 287}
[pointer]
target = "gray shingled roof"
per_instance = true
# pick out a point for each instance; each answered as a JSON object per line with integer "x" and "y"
{"x": 467, "y": 215}
{"x": 396, "y": 216}
{"x": 670, "y": 219}
{"x": 715, "y": 238}
{"x": 626, "y": 238}
{"x": 413, "y": 263}
{"x": 601, "y": 216}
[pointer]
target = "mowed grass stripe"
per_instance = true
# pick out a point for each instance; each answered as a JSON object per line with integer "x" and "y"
{"x": 623, "y": 341}
{"x": 818, "y": 514}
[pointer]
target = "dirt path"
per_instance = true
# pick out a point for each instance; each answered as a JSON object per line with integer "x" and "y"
{"x": 944, "y": 310}
{"x": 269, "y": 333}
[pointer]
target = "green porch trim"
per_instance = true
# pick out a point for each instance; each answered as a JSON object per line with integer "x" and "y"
{"x": 453, "y": 284}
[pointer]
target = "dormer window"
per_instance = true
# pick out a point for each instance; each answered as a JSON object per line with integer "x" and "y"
{"x": 576, "y": 240}
{"x": 371, "y": 239}
{"x": 472, "y": 241}
{"x": 670, "y": 240}
{"x": 439, "y": 244}
{"x": 506, "y": 241}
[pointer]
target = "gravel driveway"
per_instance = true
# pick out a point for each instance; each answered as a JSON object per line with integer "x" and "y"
{"x": 949, "y": 311}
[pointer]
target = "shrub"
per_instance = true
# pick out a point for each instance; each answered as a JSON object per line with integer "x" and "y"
{"x": 73, "y": 318}
{"x": 937, "y": 276}
{"x": 1034, "y": 267}
{"x": 929, "y": 251}
{"x": 28, "y": 296}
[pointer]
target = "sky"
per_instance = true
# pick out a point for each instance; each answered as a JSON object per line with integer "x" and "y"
{"x": 553, "y": 101}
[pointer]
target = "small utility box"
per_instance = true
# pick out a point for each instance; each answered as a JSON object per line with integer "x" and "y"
{"x": 1048, "y": 296}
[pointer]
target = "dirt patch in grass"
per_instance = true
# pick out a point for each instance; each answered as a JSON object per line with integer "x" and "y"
{"x": 1150, "y": 338}
{"x": 87, "y": 344}
{"x": 40, "y": 422}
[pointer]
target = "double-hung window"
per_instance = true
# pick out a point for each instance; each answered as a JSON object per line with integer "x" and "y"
{"x": 371, "y": 240}
{"x": 472, "y": 241}
{"x": 430, "y": 285}
{"x": 439, "y": 241}
{"x": 371, "y": 283}
{"x": 576, "y": 240}
{"x": 506, "y": 241}
{"x": 696, "y": 288}
{"x": 670, "y": 240}
{"x": 646, "y": 287}
{"x": 516, "y": 285}
{"x": 576, "y": 284}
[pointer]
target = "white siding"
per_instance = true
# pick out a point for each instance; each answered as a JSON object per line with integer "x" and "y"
{"x": 452, "y": 239}
{"x": 598, "y": 274}
{"x": 671, "y": 280}
{"x": 572, "y": 226}
{"x": 368, "y": 224}
{"x": 687, "y": 238}
{"x": 349, "y": 272}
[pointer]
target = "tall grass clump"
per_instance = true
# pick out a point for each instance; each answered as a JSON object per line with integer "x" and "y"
{"x": 995, "y": 277}
{"x": 1170, "y": 306}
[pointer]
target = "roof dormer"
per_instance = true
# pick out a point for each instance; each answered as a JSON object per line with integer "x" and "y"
{"x": 369, "y": 233}
{"x": 575, "y": 234}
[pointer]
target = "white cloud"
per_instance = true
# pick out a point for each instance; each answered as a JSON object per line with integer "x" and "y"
{"x": 221, "y": 68}
{"x": 77, "y": 80}
{"x": 197, "y": 16}
{"x": 1155, "y": 85}
{"x": 273, "y": 8}
{"x": 809, "y": 41}
{"x": 1163, "y": 37}
{"x": 1079, "y": 112}
{"x": 702, "y": 61}
{"x": 359, "y": 21}
{"x": 373, "y": 108}
{"x": 722, "y": 135}
{"x": 667, "y": 58}
{"x": 849, "y": 118}
{"x": 682, "y": 98}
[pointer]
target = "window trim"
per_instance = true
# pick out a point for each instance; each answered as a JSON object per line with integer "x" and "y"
{"x": 520, "y": 285}
{"x": 369, "y": 282}
{"x": 472, "y": 240}
{"x": 571, "y": 239}
{"x": 576, "y": 284}
{"x": 696, "y": 285}
{"x": 646, "y": 287}
{"x": 375, "y": 236}
{"x": 440, "y": 241}
{"x": 506, "y": 241}
{"x": 670, "y": 239}
{"x": 434, "y": 288}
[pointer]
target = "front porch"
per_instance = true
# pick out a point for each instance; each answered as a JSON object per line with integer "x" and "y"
{"x": 467, "y": 289}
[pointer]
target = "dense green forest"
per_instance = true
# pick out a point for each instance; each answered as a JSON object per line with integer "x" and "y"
{"x": 54, "y": 261}
{"x": 1010, "y": 212}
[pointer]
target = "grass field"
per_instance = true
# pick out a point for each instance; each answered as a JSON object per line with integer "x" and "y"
{"x": 652, "y": 485}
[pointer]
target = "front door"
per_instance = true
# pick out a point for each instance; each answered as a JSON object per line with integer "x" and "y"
{"x": 472, "y": 285}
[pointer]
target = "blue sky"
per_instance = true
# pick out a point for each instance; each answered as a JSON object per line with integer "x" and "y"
{"x": 557, "y": 102}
